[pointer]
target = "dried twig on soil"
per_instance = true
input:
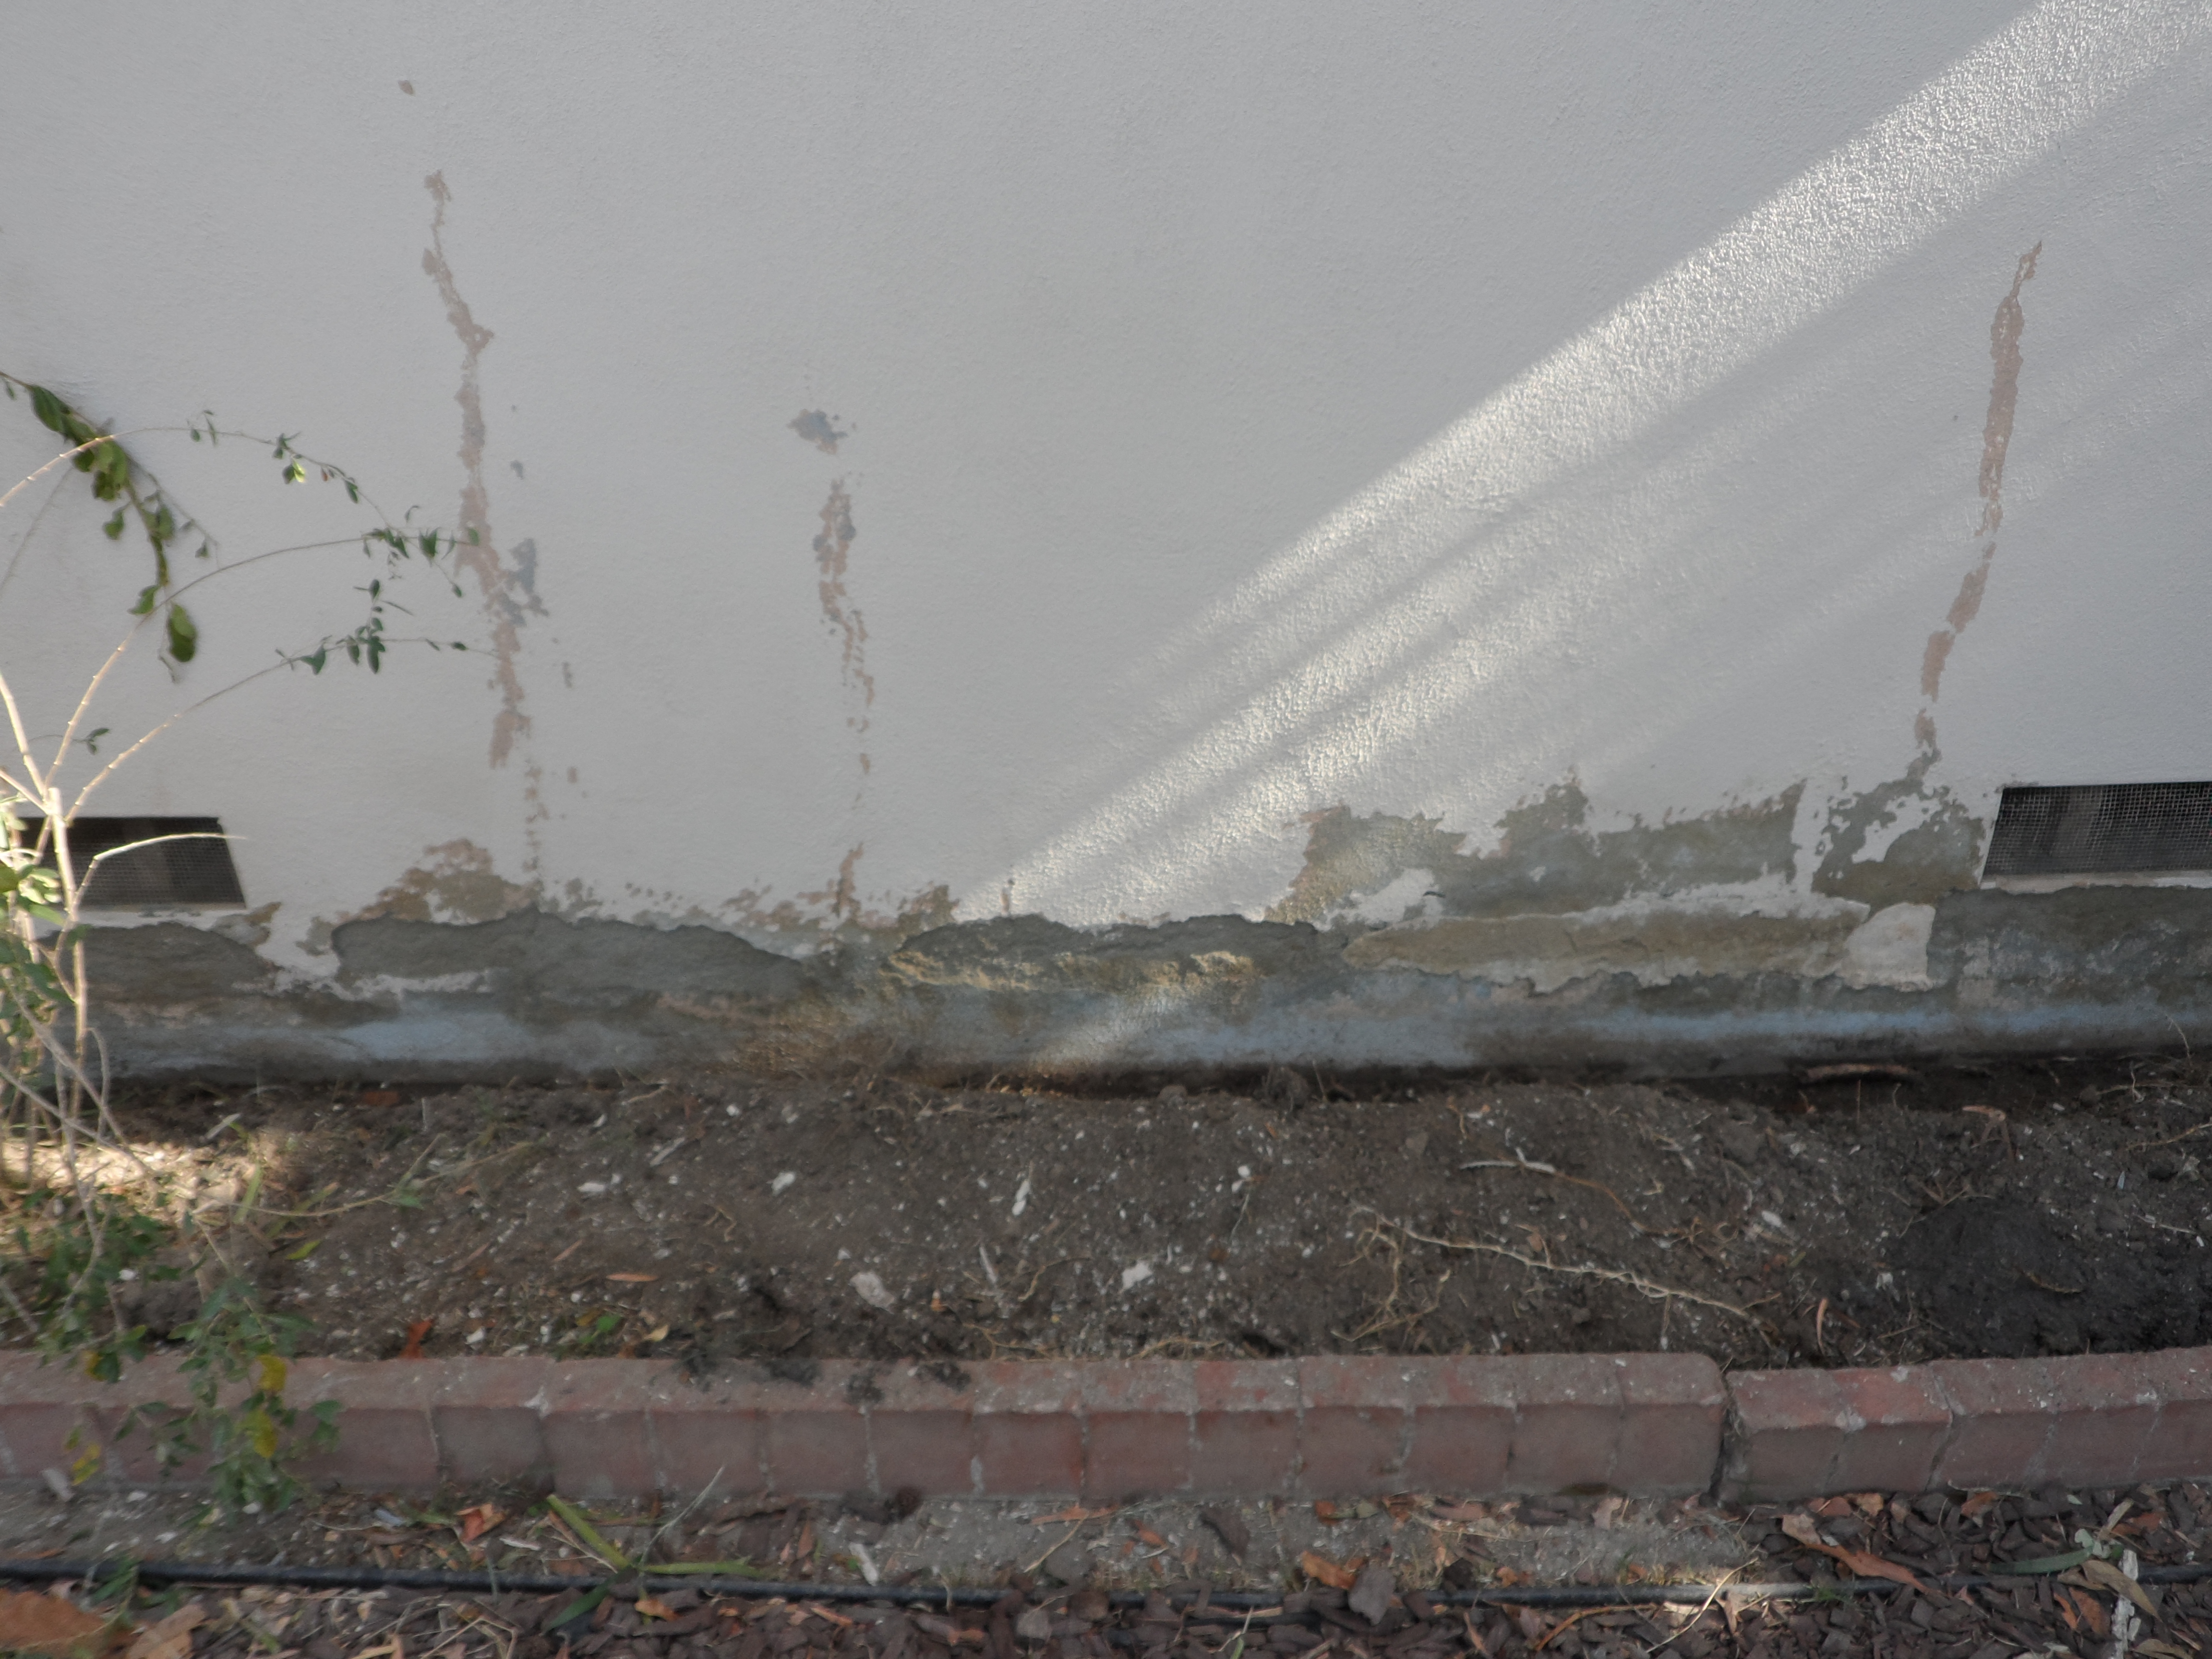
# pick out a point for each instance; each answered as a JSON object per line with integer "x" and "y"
{"x": 1532, "y": 1167}
{"x": 1635, "y": 1281}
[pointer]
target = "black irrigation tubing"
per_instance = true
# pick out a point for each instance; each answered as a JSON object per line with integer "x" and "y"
{"x": 1228, "y": 1601}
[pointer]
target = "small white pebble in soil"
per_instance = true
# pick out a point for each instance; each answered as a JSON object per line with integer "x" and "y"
{"x": 592, "y": 1189}
{"x": 782, "y": 1180}
{"x": 1133, "y": 1277}
{"x": 870, "y": 1289}
{"x": 1022, "y": 1196}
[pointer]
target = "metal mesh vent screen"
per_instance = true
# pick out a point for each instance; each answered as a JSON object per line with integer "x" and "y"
{"x": 197, "y": 871}
{"x": 2102, "y": 827}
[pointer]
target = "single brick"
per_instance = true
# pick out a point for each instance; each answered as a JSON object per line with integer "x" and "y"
{"x": 487, "y": 1417}
{"x": 919, "y": 1429}
{"x": 1897, "y": 1421}
{"x": 387, "y": 1436}
{"x": 38, "y": 1413}
{"x": 1244, "y": 1427}
{"x": 816, "y": 1439}
{"x": 1136, "y": 1423}
{"x": 1785, "y": 1430}
{"x": 1462, "y": 1430}
{"x": 1673, "y": 1407}
{"x": 1355, "y": 1419}
{"x": 1027, "y": 1424}
{"x": 1567, "y": 1410}
{"x": 596, "y": 1427}
{"x": 150, "y": 1390}
{"x": 2180, "y": 1447}
{"x": 2105, "y": 1406}
{"x": 2001, "y": 1418}
{"x": 710, "y": 1436}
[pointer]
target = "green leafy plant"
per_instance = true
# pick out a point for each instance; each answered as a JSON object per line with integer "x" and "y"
{"x": 85, "y": 1206}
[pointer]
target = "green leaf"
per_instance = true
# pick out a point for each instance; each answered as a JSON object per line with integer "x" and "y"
{"x": 114, "y": 527}
{"x": 429, "y": 539}
{"x": 145, "y": 605}
{"x": 473, "y": 538}
{"x": 304, "y": 1251}
{"x": 2042, "y": 1564}
{"x": 92, "y": 740}
{"x": 586, "y": 1603}
{"x": 589, "y": 1533}
{"x": 52, "y": 412}
{"x": 184, "y": 633}
{"x": 295, "y": 473}
{"x": 713, "y": 1569}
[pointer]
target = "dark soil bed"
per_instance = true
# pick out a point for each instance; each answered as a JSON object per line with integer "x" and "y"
{"x": 2054, "y": 1206}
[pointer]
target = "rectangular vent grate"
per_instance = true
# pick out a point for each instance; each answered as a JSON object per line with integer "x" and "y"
{"x": 198, "y": 871}
{"x": 2102, "y": 829}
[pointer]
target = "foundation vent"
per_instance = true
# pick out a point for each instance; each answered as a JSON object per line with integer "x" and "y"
{"x": 2107, "y": 829}
{"x": 197, "y": 871}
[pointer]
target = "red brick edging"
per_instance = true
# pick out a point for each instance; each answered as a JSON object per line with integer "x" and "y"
{"x": 1650, "y": 1424}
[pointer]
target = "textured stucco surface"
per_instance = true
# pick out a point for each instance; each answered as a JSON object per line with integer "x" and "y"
{"x": 1023, "y": 536}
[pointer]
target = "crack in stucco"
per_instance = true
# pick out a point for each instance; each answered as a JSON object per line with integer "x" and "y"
{"x": 481, "y": 558}
{"x": 1941, "y": 853}
{"x": 2005, "y": 329}
{"x": 833, "y": 551}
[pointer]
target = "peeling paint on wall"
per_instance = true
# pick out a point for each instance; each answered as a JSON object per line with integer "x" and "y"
{"x": 1548, "y": 860}
{"x": 1930, "y": 844}
{"x": 1656, "y": 942}
{"x": 820, "y": 429}
{"x": 454, "y": 883}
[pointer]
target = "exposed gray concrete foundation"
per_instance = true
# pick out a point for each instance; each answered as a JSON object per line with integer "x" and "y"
{"x": 1660, "y": 988}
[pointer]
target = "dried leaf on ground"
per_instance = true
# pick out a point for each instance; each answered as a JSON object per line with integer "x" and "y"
{"x": 418, "y": 1333}
{"x": 1801, "y": 1527}
{"x": 170, "y": 1638}
{"x": 1322, "y": 1570}
{"x": 1460, "y": 1514}
{"x": 49, "y": 1627}
{"x": 477, "y": 1520}
{"x": 1229, "y": 1526}
{"x": 1072, "y": 1512}
{"x": 2105, "y": 1576}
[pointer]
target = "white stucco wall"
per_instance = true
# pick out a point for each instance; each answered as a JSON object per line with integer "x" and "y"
{"x": 1253, "y": 410}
